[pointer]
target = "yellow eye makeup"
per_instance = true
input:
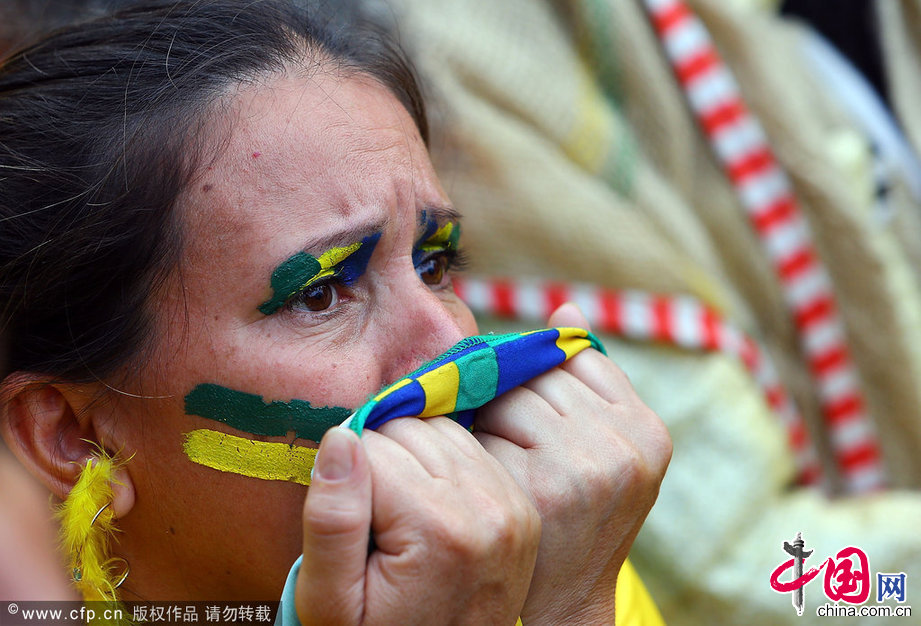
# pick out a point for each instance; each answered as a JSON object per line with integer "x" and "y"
{"x": 435, "y": 238}
{"x": 345, "y": 263}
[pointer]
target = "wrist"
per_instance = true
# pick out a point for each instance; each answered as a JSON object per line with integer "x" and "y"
{"x": 601, "y": 614}
{"x": 594, "y": 608}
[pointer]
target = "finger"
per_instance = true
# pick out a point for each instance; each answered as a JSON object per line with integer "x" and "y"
{"x": 568, "y": 314}
{"x": 516, "y": 416}
{"x": 471, "y": 445}
{"x": 406, "y": 495}
{"x": 431, "y": 448}
{"x": 337, "y": 522}
{"x": 390, "y": 461}
{"x": 512, "y": 457}
{"x": 602, "y": 376}
{"x": 628, "y": 413}
{"x": 444, "y": 448}
{"x": 593, "y": 368}
{"x": 590, "y": 366}
{"x": 565, "y": 393}
{"x": 459, "y": 436}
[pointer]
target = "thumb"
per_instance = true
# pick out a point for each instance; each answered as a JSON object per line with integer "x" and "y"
{"x": 337, "y": 523}
{"x": 568, "y": 315}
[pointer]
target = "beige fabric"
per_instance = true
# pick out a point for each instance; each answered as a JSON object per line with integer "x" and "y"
{"x": 568, "y": 185}
{"x": 864, "y": 259}
{"x": 562, "y": 136}
{"x": 900, "y": 39}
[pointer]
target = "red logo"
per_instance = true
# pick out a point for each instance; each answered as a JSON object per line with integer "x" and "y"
{"x": 847, "y": 574}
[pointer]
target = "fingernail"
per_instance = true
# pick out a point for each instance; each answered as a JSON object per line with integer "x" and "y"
{"x": 336, "y": 456}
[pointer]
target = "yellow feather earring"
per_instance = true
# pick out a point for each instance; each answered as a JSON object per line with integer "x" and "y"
{"x": 87, "y": 526}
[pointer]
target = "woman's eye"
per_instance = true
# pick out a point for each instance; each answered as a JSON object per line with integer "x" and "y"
{"x": 316, "y": 298}
{"x": 433, "y": 269}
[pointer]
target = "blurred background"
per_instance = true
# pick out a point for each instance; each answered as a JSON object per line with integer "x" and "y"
{"x": 731, "y": 191}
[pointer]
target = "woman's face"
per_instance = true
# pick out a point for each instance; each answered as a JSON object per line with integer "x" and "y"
{"x": 323, "y": 182}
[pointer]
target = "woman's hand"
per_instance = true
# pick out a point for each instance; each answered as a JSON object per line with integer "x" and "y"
{"x": 591, "y": 457}
{"x": 455, "y": 537}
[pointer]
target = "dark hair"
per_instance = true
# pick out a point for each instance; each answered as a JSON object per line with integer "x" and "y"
{"x": 23, "y": 20}
{"x": 101, "y": 129}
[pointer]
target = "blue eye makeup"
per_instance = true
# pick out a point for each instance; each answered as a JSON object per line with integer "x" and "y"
{"x": 303, "y": 271}
{"x": 435, "y": 238}
{"x": 308, "y": 282}
{"x": 436, "y": 251}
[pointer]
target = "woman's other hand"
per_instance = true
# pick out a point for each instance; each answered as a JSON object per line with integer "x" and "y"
{"x": 455, "y": 536}
{"x": 591, "y": 456}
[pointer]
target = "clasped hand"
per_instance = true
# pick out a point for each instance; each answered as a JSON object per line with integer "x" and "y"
{"x": 532, "y": 514}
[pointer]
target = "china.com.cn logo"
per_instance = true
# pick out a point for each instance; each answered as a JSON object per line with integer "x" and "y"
{"x": 847, "y": 579}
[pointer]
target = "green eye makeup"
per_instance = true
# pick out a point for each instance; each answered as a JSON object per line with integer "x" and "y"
{"x": 345, "y": 263}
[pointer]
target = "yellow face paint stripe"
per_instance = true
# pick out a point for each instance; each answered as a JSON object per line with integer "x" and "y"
{"x": 440, "y": 386}
{"x": 256, "y": 459}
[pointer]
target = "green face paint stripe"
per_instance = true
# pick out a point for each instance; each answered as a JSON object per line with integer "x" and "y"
{"x": 256, "y": 459}
{"x": 249, "y": 413}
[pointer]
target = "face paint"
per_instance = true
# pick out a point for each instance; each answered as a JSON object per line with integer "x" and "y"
{"x": 256, "y": 459}
{"x": 345, "y": 263}
{"x": 435, "y": 238}
{"x": 249, "y": 413}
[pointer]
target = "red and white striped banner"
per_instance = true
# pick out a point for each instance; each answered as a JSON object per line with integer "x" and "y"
{"x": 680, "y": 321}
{"x": 767, "y": 195}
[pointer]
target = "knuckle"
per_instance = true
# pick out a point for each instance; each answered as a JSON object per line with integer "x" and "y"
{"x": 493, "y": 528}
{"x": 660, "y": 446}
{"x": 556, "y": 487}
{"x": 332, "y": 519}
{"x": 651, "y": 444}
{"x": 616, "y": 378}
{"x": 498, "y": 524}
{"x": 633, "y": 468}
{"x": 624, "y": 463}
{"x": 449, "y": 537}
{"x": 605, "y": 478}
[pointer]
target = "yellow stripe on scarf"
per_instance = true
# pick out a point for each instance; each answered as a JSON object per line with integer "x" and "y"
{"x": 441, "y": 386}
{"x": 569, "y": 343}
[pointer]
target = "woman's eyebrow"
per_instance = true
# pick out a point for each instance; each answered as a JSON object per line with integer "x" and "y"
{"x": 439, "y": 214}
{"x": 344, "y": 237}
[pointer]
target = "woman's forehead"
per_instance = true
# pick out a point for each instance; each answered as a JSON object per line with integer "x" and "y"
{"x": 307, "y": 157}
{"x": 297, "y": 140}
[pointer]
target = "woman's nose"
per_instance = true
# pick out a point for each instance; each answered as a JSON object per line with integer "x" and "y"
{"x": 422, "y": 327}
